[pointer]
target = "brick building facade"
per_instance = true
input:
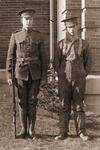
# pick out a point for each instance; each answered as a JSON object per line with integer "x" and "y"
{"x": 91, "y": 10}
{"x": 10, "y": 21}
{"x": 88, "y": 12}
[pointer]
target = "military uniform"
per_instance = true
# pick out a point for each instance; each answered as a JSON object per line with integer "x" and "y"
{"x": 26, "y": 49}
{"x": 71, "y": 59}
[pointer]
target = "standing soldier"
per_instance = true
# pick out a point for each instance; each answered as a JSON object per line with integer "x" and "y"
{"x": 26, "y": 52}
{"x": 71, "y": 65}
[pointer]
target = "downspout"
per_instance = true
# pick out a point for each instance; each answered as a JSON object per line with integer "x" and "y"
{"x": 51, "y": 39}
{"x": 51, "y": 31}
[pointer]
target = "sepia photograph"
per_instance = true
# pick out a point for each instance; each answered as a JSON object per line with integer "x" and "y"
{"x": 49, "y": 74}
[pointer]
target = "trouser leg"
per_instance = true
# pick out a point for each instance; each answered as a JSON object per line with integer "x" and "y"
{"x": 64, "y": 118}
{"x": 22, "y": 95}
{"x": 32, "y": 104}
{"x": 32, "y": 120}
{"x": 23, "y": 120}
{"x": 65, "y": 109}
{"x": 79, "y": 118}
{"x": 78, "y": 106}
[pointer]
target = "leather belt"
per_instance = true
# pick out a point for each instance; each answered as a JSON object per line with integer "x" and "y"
{"x": 27, "y": 59}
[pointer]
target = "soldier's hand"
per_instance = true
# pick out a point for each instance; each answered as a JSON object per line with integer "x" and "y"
{"x": 10, "y": 82}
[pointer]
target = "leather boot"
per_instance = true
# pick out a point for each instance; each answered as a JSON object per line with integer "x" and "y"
{"x": 31, "y": 129}
{"x": 61, "y": 136}
{"x": 23, "y": 119}
{"x": 32, "y": 119}
{"x": 84, "y": 137}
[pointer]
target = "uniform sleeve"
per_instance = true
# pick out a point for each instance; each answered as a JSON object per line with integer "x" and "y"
{"x": 43, "y": 59}
{"x": 10, "y": 56}
{"x": 87, "y": 59}
{"x": 57, "y": 56}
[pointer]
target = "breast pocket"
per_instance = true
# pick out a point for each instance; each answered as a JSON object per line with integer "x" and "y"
{"x": 35, "y": 49}
{"x": 20, "y": 44}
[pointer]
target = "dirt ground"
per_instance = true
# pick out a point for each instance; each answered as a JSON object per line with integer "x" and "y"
{"x": 46, "y": 129}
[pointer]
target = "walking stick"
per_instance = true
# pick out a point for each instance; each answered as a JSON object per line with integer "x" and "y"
{"x": 13, "y": 96}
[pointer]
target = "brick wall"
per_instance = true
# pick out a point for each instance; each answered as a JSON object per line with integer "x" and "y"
{"x": 93, "y": 32}
{"x": 74, "y": 6}
{"x": 10, "y": 21}
{"x": 92, "y": 22}
{"x": 90, "y": 12}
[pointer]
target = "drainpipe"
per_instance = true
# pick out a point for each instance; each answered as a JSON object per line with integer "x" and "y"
{"x": 51, "y": 31}
{"x": 51, "y": 39}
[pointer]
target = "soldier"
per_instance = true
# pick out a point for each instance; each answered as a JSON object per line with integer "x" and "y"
{"x": 26, "y": 50}
{"x": 71, "y": 59}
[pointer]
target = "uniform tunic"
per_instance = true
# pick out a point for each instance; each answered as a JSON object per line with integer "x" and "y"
{"x": 26, "y": 48}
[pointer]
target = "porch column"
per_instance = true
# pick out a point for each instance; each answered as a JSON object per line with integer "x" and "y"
{"x": 61, "y": 7}
{"x": 83, "y": 25}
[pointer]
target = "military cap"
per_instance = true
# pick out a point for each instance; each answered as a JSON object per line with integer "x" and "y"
{"x": 70, "y": 17}
{"x": 27, "y": 12}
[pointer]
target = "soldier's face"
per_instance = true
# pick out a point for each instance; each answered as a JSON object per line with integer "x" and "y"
{"x": 27, "y": 22}
{"x": 72, "y": 29}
